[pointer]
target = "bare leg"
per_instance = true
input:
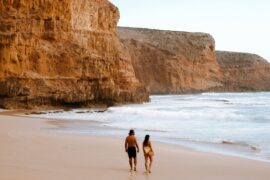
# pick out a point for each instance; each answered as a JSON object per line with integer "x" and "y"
{"x": 146, "y": 163}
{"x": 150, "y": 165}
{"x": 130, "y": 163}
{"x": 135, "y": 164}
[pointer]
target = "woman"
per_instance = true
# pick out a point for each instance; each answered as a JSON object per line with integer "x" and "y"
{"x": 148, "y": 153}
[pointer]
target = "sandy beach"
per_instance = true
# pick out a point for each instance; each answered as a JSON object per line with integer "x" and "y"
{"x": 30, "y": 151}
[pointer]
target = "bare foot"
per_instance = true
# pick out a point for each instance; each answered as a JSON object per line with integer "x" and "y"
{"x": 149, "y": 171}
{"x": 134, "y": 168}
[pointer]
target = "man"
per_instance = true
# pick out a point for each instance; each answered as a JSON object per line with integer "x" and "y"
{"x": 130, "y": 147}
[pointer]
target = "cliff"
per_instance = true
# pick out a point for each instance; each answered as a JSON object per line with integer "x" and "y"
{"x": 172, "y": 62}
{"x": 182, "y": 62}
{"x": 244, "y": 71}
{"x": 63, "y": 53}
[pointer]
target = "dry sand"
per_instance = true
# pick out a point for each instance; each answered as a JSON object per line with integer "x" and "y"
{"x": 29, "y": 151}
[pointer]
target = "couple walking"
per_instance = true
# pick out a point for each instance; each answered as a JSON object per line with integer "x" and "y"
{"x": 131, "y": 145}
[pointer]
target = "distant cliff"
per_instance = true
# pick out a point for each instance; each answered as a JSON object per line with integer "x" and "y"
{"x": 63, "y": 53}
{"x": 172, "y": 62}
{"x": 244, "y": 71}
{"x": 183, "y": 62}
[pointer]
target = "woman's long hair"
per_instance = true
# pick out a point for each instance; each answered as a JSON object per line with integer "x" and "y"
{"x": 146, "y": 140}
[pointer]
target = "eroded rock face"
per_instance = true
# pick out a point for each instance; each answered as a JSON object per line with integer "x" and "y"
{"x": 172, "y": 62}
{"x": 244, "y": 71}
{"x": 182, "y": 62}
{"x": 63, "y": 53}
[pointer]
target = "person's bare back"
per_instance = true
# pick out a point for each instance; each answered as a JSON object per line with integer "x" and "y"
{"x": 131, "y": 141}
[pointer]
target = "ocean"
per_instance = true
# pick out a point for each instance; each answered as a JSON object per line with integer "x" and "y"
{"x": 235, "y": 124}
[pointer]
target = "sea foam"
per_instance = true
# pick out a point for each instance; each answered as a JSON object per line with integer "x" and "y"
{"x": 239, "y": 120}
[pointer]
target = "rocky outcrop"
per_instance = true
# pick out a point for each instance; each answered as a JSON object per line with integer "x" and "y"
{"x": 172, "y": 62}
{"x": 63, "y": 53}
{"x": 182, "y": 62}
{"x": 244, "y": 71}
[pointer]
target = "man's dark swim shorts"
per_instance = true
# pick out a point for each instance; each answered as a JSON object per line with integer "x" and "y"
{"x": 132, "y": 152}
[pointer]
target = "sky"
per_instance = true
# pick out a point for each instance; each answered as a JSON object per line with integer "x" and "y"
{"x": 236, "y": 25}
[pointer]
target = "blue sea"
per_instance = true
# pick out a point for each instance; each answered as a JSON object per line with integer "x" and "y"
{"x": 235, "y": 124}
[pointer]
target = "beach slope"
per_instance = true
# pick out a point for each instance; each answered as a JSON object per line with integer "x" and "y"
{"x": 30, "y": 151}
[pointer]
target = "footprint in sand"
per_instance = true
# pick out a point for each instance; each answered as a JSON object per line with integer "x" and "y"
{"x": 132, "y": 175}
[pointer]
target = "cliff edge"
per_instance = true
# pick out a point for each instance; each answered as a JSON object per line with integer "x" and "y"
{"x": 63, "y": 53}
{"x": 184, "y": 62}
{"x": 172, "y": 62}
{"x": 244, "y": 71}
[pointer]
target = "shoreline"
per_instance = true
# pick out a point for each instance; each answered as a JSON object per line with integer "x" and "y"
{"x": 229, "y": 149}
{"x": 29, "y": 151}
{"x": 225, "y": 148}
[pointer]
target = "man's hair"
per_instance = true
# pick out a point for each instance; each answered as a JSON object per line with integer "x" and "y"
{"x": 131, "y": 132}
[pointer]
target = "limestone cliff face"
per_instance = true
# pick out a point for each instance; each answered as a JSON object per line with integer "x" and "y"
{"x": 172, "y": 62}
{"x": 244, "y": 71}
{"x": 63, "y": 53}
